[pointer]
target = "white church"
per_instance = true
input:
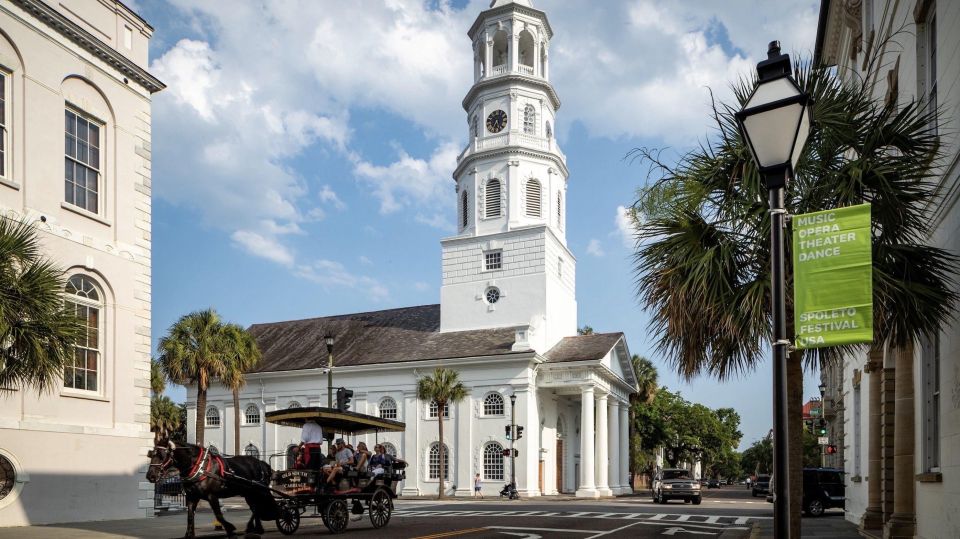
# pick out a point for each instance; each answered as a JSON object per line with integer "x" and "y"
{"x": 507, "y": 318}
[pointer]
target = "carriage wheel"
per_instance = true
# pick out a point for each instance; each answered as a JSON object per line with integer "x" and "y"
{"x": 338, "y": 516}
{"x": 381, "y": 508}
{"x": 289, "y": 519}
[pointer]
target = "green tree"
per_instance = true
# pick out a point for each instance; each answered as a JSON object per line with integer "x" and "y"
{"x": 37, "y": 327}
{"x": 443, "y": 388}
{"x": 702, "y": 258}
{"x": 758, "y": 458}
{"x": 158, "y": 380}
{"x": 192, "y": 352}
{"x": 647, "y": 375}
{"x": 585, "y": 330}
{"x": 164, "y": 413}
{"x": 242, "y": 354}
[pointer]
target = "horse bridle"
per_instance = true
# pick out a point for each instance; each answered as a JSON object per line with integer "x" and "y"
{"x": 170, "y": 448}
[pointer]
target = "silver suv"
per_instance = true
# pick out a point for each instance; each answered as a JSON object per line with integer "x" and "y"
{"x": 675, "y": 483}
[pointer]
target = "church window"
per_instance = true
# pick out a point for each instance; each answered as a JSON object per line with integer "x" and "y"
{"x": 533, "y": 199}
{"x": 560, "y": 211}
{"x": 252, "y": 415}
{"x": 529, "y": 120}
{"x": 82, "y": 162}
{"x": 493, "y": 404}
{"x": 473, "y": 127}
{"x": 388, "y": 408}
{"x": 293, "y": 404}
{"x": 526, "y": 51}
{"x": 492, "y": 199}
{"x": 432, "y": 410}
{"x": 390, "y": 449}
{"x": 434, "y": 464}
{"x": 493, "y": 260}
{"x": 549, "y": 130}
{"x": 492, "y": 295}
{"x": 8, "y": 477}
{"x": 251, "y": 451}
{"x": 213, "y": 417}
{"x": 3, "y": 124}
{"x": 464, "y": 209}
{"x": 83, "y": 299}
{"x": 493, "y": 461}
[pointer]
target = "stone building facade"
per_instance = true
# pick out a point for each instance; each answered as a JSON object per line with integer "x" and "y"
{"x": 901, "y": 407}
{"x": 75, "y": 163}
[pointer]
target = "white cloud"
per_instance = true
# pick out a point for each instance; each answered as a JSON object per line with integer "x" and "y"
{"x": 331, "y": 274}
{"x": 328, "y": 196}
{"x": 421, "y": 286}
{"x": 365, "y": 261}
{"x": 594, "y": 248}
{"x": 263, "y": 246}
{"x": 626, "y": 226}
{"x": 410, "y": 181}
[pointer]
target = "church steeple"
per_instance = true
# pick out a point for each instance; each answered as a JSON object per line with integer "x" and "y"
{"x": 510, "y": 252}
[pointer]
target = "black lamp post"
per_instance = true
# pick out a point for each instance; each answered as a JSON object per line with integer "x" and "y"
{"x": 775, "y": 123}
{"x": 823, "y": 417}
{"x": 513, "y": 434}
{"x": 329, "y": 340}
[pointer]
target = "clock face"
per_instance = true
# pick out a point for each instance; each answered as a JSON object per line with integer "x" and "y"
{"x": 496, "y": 121}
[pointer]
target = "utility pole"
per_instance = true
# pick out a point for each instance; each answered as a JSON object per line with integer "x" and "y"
{"x": 329, "y": 341}
{"x": 513, "y": 434}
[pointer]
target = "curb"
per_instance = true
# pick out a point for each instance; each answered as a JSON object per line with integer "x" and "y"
{"x": 754, "y": 533}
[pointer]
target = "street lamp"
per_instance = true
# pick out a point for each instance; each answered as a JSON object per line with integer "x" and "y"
{"x": 775, "y": 123}
{"x": 328, "y": 339}
{"x": 823, "y": 404}
{"x": 513, "y": 435}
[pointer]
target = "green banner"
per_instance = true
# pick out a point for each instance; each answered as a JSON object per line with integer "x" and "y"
{"x": 833, "y": 277}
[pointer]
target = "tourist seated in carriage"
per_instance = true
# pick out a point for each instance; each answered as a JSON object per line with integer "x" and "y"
{"x": 380, "y": 460}
{"x": 310, "y": 453}
{"x": 362, "y": 456}
{"x": 344, "y": 458}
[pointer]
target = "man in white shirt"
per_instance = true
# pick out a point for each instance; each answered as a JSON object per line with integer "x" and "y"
{"x": 311, "y": 452}
{"x": 311, "y": 433}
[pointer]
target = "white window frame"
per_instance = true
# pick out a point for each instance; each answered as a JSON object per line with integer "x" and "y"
{"x": 486, "y": 403}
{"x": 247, "y": 415}
{"x": 533, "y": 187}
{"x": 207, "y": 417}
{"x": 493, "y": 260}
{"x": 5, "y": 145}
{"x": 464, "y": 209}
{"x": 930, "y": 405}
{"x": 487, "y": 198}
{"x": 294, "y": 404}
{"x": 256, "y": 450}
{"x": 389, "y": 449}
{"x": 100, "y": 305}
{"x": 927, "y": 58}
{"x": 434, "y": 463}
{"x": 529, "y": 119}
{"x": 494, "y": 469}
{"x": 381, "y": 408}
{"x": 560, "y": 210}
{"x": 432, "y": 410}
{"x": 101, "y": 160}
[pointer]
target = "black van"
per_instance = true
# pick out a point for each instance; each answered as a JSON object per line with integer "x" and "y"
{"x": 822, "y": 489}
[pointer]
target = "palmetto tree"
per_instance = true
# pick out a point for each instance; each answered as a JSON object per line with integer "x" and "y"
{"x": 702, "y": 260}
{"x": 158, "y": 380}
{"x": 192, "y": 351}
{"x": 443, "y": 387}
{"x": 37, "y": 329}
{"x": 646, "y": 373}
{"x": 242, "y": 354}
{"x": 164, "y": 417}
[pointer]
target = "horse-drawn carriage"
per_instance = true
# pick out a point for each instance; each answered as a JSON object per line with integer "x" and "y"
{"x": 285, "y": 495}
{"x": 355, "y": 492}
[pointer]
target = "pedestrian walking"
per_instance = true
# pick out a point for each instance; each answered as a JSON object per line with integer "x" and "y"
{"x": 477, "y": 486}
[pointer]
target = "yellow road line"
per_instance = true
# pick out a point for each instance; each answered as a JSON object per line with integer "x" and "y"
{"x": 451, "y": 533}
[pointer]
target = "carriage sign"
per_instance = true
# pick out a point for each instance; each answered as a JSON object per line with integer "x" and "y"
{"x": 833, "y": 277}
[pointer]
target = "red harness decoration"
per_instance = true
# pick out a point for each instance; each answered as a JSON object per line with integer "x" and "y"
{"x": 203, "y": 466}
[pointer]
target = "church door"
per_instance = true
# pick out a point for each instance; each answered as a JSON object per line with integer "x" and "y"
{"x": 559, "y": 466}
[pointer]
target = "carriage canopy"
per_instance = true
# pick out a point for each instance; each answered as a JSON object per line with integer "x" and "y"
{"x": 334, "y": 420}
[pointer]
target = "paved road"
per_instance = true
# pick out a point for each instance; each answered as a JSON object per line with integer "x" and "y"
{"x": 729, "y": 511}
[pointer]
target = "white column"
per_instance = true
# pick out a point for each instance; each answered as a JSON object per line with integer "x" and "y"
{"x": 411, "y": 416}
{"x": 514, "y": 41}
{"x": 587, "y": 488}
{"x": 613, "y": 426}
{"x": 603, "y": 451}
{"x": 626, "y": 488}
{"x": 464, "y": 448}
{"x": 487, "y": 55}
{"x": 546, "y": 64}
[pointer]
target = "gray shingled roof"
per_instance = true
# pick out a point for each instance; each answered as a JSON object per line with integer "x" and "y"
{"x": 393, "y": 335}
{"x": 582, "y": 347}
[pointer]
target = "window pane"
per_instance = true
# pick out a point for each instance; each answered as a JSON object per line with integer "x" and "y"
{"x": 82, "y": 154}
{"x": 94, "y": 157}
{"x": 93, "y": 203}
{"x": 70, "y": 146}
{"x": 81, "y": 195}
{"x": 81, "y": 130}
{"x": 71, "y": 121}
{"x": 91, "y": 381}
{"x": 79, "y": 176}
{"x": 68, "y": 191}
{"x": 94, "y": 137}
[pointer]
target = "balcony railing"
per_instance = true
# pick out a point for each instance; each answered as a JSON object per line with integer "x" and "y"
{"x": 512, "y": 138}
{"x": 504, "y": 69}
{"x": 526, "y": 70}
{"x": 501, "y": 69}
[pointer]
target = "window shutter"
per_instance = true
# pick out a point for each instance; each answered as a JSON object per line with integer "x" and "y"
{"x": 492, "y": 198}
{"x": 560, "y": 211}
{"x": 533, "y": 199}
{"x": 464, "y": 210}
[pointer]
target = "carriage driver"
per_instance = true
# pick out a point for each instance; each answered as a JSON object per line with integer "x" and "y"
{"x": 311, "y": 452}
{"x": 344, "y": 457}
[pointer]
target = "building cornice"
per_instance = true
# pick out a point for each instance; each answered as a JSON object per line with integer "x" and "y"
{"x": 90, "y": 43}
{"x": 508, "y": 82}
{"x": 510, "y": 150}
{"x": 505, "y": 9}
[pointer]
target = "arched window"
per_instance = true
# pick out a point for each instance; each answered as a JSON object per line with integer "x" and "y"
{"x": 293, "y": 404}
{"x": 434, "y": 464}
{"x": 534, "y": 199}
{"x": 252, "y": 415}
{"x": 560, "y": 210}
{"x": 390, "y": 449}
{"x": 251, "y": 451}
{"x": 499, "y": 51}
{"x": 549, "y": 130}
{"x": 213, "y": 417}
{"x": 492, "y": 199}
{"x": 291, "y": 456}
{"x": 529, "y": 120}
{"x": 8, "y": 477}
{"x": 464, "y": 210}
{"x": 85, "y": 300}
{"x": 388, "y": 408}
{"x": 432, "y": 410}
{"x": 493, "y": 404}
{"x": 493, "y": 461}
{"x": 474, "y": 127}
{"x": 526, "y": 50}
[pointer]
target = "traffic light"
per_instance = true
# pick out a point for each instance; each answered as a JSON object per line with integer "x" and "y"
{"x": 831, "y": 449}
{"x": 506, "y": 452}
{"x": 822, "y": 428}
{"x": 506, "y": 429}
{"x": 343, "y": 398}
{"x": 519, "y": 432}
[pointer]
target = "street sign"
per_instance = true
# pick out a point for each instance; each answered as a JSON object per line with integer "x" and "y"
{"x": 823, "y": 440}
{"x": 833, "y": 277}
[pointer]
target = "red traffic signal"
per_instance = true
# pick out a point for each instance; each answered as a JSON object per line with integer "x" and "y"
{"x": 831, "y": 449}
{"x": 506, "y": 452}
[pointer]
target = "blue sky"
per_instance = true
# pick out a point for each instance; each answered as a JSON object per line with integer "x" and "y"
{"x": 303, "y": 150}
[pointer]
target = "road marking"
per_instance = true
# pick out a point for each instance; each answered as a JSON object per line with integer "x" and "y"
{"x": 451, "y": 533}
{"x": 515, "y": 528}
{"x": 714, "y": 520}
{"x": 661, "y": 516}
{"x": 722, "y": 520}
{"x": 741, "y": 520}
{"x": 674, "y": 531}
{"x": 613, "y": 531}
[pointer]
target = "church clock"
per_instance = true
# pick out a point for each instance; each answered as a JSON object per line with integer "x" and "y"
{"x": 496, "y": 121}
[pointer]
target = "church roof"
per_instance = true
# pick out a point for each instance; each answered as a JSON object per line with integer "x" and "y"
{"x": 583, "y": 347}
{"x": 392, "y": 335}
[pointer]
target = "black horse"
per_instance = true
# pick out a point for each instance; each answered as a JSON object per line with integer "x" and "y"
{"x": 208, "y": 476}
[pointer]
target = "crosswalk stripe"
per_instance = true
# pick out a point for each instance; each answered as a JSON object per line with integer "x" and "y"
{"x": 724, "y": 520}
{"x": 741, "y": 520}
{"x": 712, "y": 520}
{"x": 661, "y": 516}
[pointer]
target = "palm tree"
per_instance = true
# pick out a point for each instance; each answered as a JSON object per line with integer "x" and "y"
{"x": 158, "y": 380}
{"x": 242, "y": 355}
{"x": 164, "y": 417}
{"x": 702, "y": 259}
{"x": 37, "y": 328}
{"x": 443, "y": 388}
{"x": 192, "y": 353}
{"x": 646, "y": 373}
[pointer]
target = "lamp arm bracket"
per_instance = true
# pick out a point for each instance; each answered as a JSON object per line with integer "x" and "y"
{"x": 779, "y": 211}
{"x": 782, "y": 342}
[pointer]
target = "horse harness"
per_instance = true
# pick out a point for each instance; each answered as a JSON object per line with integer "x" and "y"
{"x": 208, "y": 464}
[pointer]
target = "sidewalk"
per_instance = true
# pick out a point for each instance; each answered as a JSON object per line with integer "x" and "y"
{"x": 831, "y": 525}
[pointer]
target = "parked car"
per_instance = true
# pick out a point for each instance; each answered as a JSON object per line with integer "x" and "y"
{"x": 822, "y": 489}
{"x": 675, "y": 483}
{"x": 761, "y": 485}
{"x": 713, "y": 483}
